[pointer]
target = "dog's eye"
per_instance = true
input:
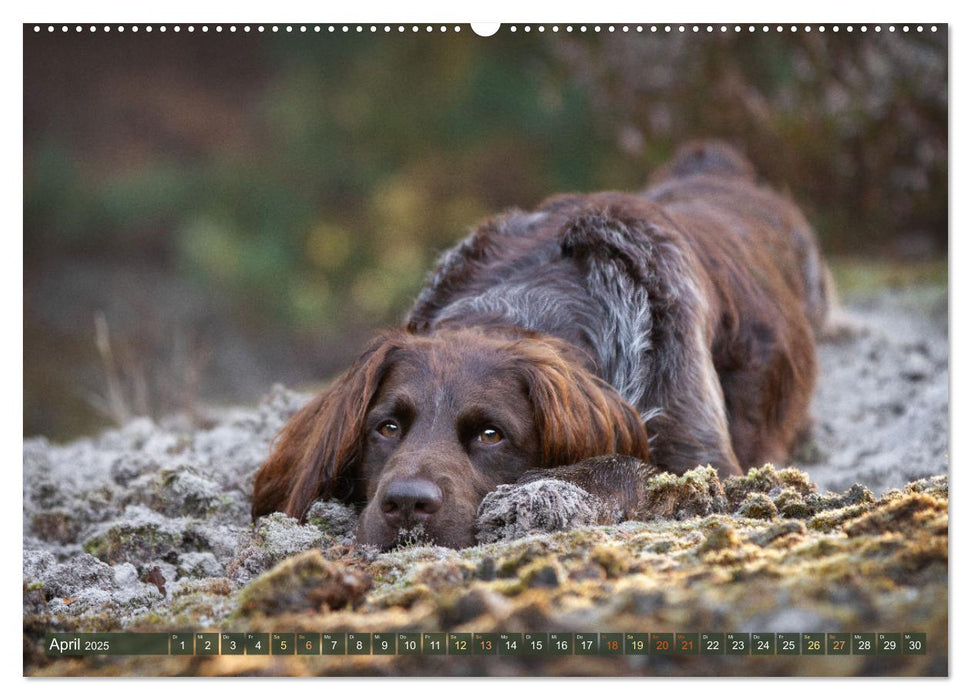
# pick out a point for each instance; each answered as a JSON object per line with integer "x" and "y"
{"x": 389, "y": 429}
{"x": 489, "y": 436}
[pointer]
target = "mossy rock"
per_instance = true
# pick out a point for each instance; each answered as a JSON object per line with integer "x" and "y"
{"x": 135, "y": 543}
{"x": 695, "y": 493}
{"x": 56, "y": 525}
{"x": 758, "y": 506}
{"x": 305, "y": 582}
{"x": 849, "y": 562}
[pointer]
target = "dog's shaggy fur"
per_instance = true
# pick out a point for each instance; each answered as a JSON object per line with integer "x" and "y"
{"x": 675, "y": 325}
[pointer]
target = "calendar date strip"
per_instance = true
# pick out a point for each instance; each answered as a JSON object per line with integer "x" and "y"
{"x": 485, "y": 644}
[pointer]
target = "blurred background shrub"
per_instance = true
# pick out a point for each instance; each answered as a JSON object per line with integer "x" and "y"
{"x": 241, "y": 209}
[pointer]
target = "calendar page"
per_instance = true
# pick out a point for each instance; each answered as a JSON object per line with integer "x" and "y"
{"x": 525, "y": 349}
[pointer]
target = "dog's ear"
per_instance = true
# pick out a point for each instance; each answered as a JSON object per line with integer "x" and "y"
{"x": 318, "y": 451}
{"x": 577, "y": 414}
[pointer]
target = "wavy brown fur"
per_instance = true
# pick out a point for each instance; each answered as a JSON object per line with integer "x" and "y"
{"x": 685, "y": 313}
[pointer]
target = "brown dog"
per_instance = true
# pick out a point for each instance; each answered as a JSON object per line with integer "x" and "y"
{"x": 684, "y": 313}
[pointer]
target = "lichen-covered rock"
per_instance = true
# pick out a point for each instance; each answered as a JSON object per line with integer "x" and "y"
{"x": 281, "y": 535}
{"x": 785, "y": 529}
{"x": 332, "y": 517}
{"x": 790, "y": 503}
{"x": 274, "y": 538}
{"x": 127, "y": 468}
{"x": 903, "y": 514}
{"x": 36, "y": 563}
{"x": 832, "y": 519}
{"x": 179, "y": 492}
{"x": 796, "y": 480}
{"x": 770, "y": 481}
{"x": 84, "y": 586}
{"x": 734, "y": 568}
{"x": 934, "y": 486}
{"x": 545, "y": 505}
{"x": 707, "y": 554}
{"x": 141, "y": 535}
{"x": 766, "y": 493}
{"x": 77, "y": 574}
{"x": 719, "y": 535}
{"x": 759, "y": 506}
{"x": 306, "y": 582}
{"x": 55, "y": 525}
{"x": 696, "y": 492}
{"x": 882, "y": 567}
{"x": 613, "y": 560}
{"x": 198, "y": 565}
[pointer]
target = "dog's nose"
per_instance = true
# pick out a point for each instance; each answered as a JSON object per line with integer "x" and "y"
{"x": 410, "y": 500}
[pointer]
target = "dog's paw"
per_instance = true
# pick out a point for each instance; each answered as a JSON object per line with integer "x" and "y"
{"x": 544, "y": 505}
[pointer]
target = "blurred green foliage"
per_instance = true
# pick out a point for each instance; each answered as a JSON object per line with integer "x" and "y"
{"x": 312, "y": 179}
{"x": 362, "y": 156}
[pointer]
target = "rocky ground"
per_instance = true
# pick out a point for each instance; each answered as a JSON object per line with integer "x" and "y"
{"x": 147, "y": 528}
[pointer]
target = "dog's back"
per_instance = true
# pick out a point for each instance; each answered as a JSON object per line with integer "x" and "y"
{"x": 713, "y": 158}
{"x": 674, "y": 325}
{"x": 772, "y": 291}
{"x": 712, "y": 189}
{"x": 696, "y": 299}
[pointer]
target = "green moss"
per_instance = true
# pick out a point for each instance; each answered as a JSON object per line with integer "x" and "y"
{"x": 615, "y": 561}
{"x": 721, "y": 536}
{"x": 402, "y": 597}
{"x": 543, "y": 573}
{"x": 443, "y": 575}
{"x": 776, "y": 531}
{"x": 508, "y": 587}
{"x": 796, "y": 480}
{"x": 820, "y": 549}
{"x": 935, "y": 486}
{"x": 832, "y": 519}
{"x": 856, "y": 563}
{"x": 520, "y": 557}
{"x": 306, "y": 581}
{"x": 695, "y": 493}
{"x": 661, "y": 546}
{"x": 790, "y": 504}
{"x": 856, "y": 494}
{"x": 900, "y": 514}
{"x": 758, "y": 506}
{"x": 136, "y": 543}
{"x": 758, "y": 480}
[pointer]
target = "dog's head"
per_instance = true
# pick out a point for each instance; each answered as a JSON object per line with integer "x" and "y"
{"x": 421, "y": 428}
